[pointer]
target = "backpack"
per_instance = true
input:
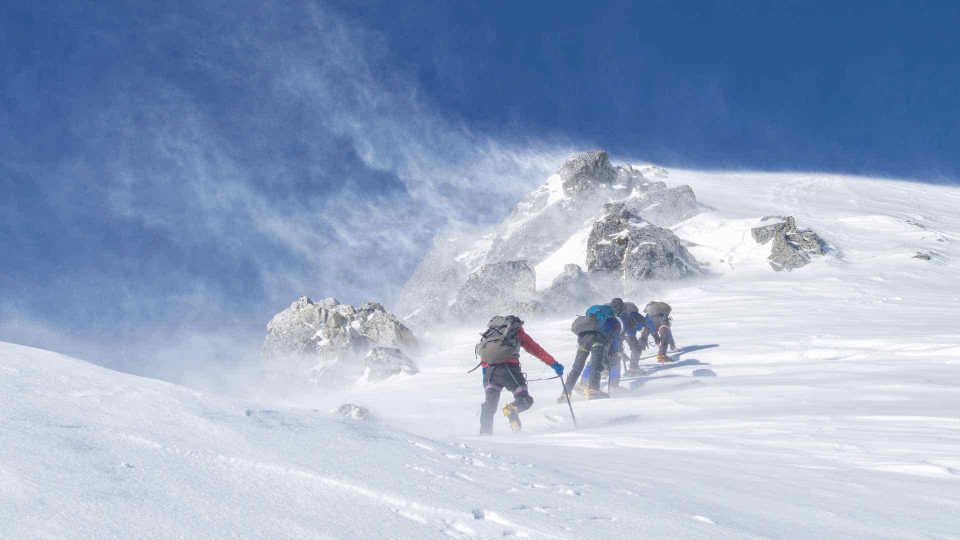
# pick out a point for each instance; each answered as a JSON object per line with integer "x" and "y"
{"x": 629, "y": 308}
{"x": 657, "y": 308}
{"x": 594, "y": 320}
{"x": 500, "y": 341}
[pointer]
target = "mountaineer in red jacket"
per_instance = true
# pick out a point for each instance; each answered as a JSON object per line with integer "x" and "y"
{"x": 499, "y": 352}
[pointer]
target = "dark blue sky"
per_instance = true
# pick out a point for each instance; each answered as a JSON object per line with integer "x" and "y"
{"x": 865, "y": 87}
{"x": 174, "y": 169}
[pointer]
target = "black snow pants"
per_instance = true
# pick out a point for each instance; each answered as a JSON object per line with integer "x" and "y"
{"x": 495, "y": 379}
{"x": 636, "y": 349}
{"x": 589, "y": 344}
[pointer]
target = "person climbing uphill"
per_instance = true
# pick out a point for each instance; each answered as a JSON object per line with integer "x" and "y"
{"x": 659, "y": 314}
{"x": 634, "y": 321}
{"x": 598, "y": 337}
{"x": 499, "y": 352}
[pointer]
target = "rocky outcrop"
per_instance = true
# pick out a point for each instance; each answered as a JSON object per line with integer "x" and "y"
{"x": 585, "y": 171}
{"x": 666, "y": 207}
{"x": 330, "y": 342}
{"x": 353, "y": 412}
{"x": 498, "y": 288}
{"x": 791, "y": 248}
{"x": 571, "y": 288}
{"x": 543, "y": 220}
{"x": 385, "y": 362}
{"x": 623, "y": 243}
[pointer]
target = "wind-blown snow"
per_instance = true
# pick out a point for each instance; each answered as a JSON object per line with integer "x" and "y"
{"x": 827, "y": 405}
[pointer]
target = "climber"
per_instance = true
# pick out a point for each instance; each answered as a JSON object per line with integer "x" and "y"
{"x": 598, "y": 337}
{"x": 499, "y": 352}
{"x": 633, "y": 321}
{"x": 658, "y": 312}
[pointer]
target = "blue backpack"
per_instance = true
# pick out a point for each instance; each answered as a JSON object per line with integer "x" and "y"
{"x": 601, "y": 312}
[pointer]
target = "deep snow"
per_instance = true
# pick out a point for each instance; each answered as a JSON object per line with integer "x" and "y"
{"x": 829, "y": 407}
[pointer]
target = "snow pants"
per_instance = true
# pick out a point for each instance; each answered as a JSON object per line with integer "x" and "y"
{"x": 495, "y": 379}
{"x": 589, "y": 344}
{"x": 636, "y": 349}
{"x": 662, "y": 323}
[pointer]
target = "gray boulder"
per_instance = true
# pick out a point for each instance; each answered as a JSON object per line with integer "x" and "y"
{"x": 585, "y": 171}
{"x": 571, "y": 288}
{"x": 666, "y": 207}
{"x": 385, "y": 362}
{"x": 327, "y": 341}
{"x": 623, "y": 243}
{"x": 791, "y": 248}
{"x": 503, "y": 287}
{"x": 353, "y": 412}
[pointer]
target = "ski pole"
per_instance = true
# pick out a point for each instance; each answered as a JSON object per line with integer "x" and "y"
{"x": 566, "y": 395}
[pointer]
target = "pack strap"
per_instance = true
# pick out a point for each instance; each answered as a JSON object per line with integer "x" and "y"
{"x": 475, "y": 367}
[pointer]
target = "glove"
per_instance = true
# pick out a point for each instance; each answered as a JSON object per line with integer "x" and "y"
{"x": 558, "y": 367}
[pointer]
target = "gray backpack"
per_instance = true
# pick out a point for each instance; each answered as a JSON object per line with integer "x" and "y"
{"x": 629, "y": 308}
{"x": 500, "y": 342}
{"x": 657, "y": 308}
{"x": 583, "y": 324}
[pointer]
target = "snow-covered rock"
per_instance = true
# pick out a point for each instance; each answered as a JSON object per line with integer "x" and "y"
{"x": 503, "y": 287}
{"x": 353, "y": 412}
{"x": 791, "y": 248}
{"x": 666, "y": 207}
{"x": 584, "y": 172}
{"x": 571, "y": 288}
{"x": 327, "y": 341}
{"x": 385, "y": 362}
{"x": 624, "y": 244}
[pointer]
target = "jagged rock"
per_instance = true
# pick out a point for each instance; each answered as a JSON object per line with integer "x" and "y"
{"x": 354, "y": 412}
{"x": 622, "y": 242}
{"x": 584, "y": 171}
{"x": 571, "y": 288}
{"x": 926, "y": 255}
{"x": 327, "y": 341}
{"x": 791, "y": 247}
{"x": 385, "y": 362}
{"x": 503, "y": 287}
{"x": 666, "y": 207}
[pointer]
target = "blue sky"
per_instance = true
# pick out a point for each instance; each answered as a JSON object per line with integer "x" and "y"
{"x": 175, "y": 173}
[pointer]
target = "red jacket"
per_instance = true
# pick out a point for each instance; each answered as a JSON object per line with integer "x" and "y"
{"x": 531, "y": 347}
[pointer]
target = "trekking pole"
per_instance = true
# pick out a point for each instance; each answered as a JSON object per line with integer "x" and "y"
{"x": 566, "y": 395}
{"x": 544, "y": 378}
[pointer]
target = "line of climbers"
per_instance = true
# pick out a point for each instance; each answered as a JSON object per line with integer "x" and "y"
{"x": 600, "y": 333}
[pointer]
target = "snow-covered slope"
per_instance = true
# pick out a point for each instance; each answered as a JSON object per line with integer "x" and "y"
{"x": 824, "y": 404}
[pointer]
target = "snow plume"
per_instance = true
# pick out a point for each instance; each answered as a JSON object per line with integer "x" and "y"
{"x": 235, "y": 156}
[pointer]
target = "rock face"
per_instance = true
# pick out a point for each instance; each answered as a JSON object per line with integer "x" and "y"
{"x": 791, "y": 248}
{"x": 622, "y": 243}
{"x": 498, "y": 288}
{"x": 385, "y": 362}
{"x": 584, "y": 171}
{"x": 543, "y": 220}
{"x": 330, "y": 342}
{"x": 666, "y": 207}
{"x": 571, "y": 288}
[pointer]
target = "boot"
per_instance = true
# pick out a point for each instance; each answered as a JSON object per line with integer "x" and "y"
{"x": 513, "y": 415}
{"x": 596, "y": 394}
{"x": 580, "y": 388}
{"x": 662, "y": 358}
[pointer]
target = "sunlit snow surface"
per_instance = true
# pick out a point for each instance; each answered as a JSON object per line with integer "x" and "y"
{"x": 829, "y": 408}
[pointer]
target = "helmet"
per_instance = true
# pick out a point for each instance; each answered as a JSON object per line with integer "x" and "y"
{"x": 617, "y": 305}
